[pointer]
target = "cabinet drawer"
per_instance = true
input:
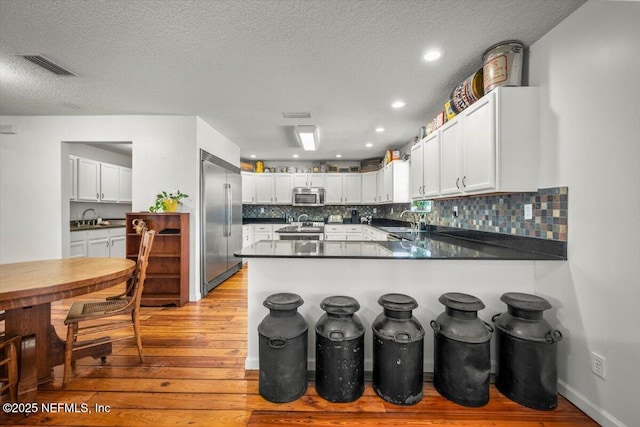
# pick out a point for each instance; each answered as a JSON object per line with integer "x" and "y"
{"x": 97, "y": 234}
{"x": 262, "y": 228}
{"x": 353, "y": 228}
{"x": 334, "y": 228}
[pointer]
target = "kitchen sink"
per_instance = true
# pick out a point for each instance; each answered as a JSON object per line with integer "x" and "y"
{"x": 397, "y": 229}
{"x": 310, "y": 229}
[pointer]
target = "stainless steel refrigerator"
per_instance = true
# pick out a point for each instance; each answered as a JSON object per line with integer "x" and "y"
{"x": 221, "y": 220}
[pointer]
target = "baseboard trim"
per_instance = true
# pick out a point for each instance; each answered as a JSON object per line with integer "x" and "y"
{"x": 595, "y": 412}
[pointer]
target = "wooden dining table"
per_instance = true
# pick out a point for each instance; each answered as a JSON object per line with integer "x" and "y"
{"x": 28, "y": 288}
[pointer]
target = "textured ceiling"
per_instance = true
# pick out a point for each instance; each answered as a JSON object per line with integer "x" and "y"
{"x": 240, "y": 64}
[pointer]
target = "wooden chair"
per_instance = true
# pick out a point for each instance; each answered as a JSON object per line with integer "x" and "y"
{"x": 9, "y": 366}
{"x": 106, "y": 315}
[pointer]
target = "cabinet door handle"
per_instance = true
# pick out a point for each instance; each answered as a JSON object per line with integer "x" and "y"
{"x": 464, "y": 184}
{"x": 97, "y": 195}
{"x": 458, "y": 183}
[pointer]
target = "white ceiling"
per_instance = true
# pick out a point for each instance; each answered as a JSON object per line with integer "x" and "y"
{"x": 240, "y": 64}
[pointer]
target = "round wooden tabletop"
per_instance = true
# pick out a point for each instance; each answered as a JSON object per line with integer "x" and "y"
{"x": 24, "y": 284}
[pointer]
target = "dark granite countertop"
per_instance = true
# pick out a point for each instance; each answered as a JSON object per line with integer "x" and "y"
{"x": 434, "y": 243}
{"x": 112, "y": 223}
{"x": 433, "y": 247}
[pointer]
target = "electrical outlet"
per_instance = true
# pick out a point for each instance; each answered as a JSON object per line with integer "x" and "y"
{"x": 375, "y": 210}
{"x": 261, "y": 210}
{"x": 597, "y": 364}
{"x": 528, "y": 211}
{"x": 455, "y": 211}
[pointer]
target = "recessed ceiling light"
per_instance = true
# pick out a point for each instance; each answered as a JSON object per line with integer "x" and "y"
{"x": 379, "y": 129}
{"x": 338, "y": 155}
{"x": 296, "y": 156}
{"x": 253, "y": 156}
{"x": 432, "y": 55}
{"x": 398, "y": 104}
{"x": 368, "y": 144}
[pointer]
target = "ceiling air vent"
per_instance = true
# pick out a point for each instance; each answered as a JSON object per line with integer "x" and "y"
{"x": 40, "y": 60}
{"x": 302, "y": 115}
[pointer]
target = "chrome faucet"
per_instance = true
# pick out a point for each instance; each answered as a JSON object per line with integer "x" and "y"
{"x": 85, "y": 213}
{"x": 415, "y": 223}
{"x": 301, "y": 215}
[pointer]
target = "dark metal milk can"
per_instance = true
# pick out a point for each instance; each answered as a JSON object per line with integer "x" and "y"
{"x": 527, "y": 371}
{"x": 282, "y": 349}
{"x": 462, "y": 351}
{"x": 398, "y": 347}
{"x": 339, "y": 350}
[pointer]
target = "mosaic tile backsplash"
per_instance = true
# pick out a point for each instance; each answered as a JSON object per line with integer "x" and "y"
{"x": 496, "y": 213}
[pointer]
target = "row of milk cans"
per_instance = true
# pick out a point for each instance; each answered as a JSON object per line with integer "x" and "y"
{"x": 526, "y": 351}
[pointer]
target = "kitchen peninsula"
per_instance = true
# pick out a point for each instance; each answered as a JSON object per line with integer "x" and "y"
{"x": 423, "y": 265}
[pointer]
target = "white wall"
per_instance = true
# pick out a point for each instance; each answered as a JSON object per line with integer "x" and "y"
{"x": 588, "y": 71}
{"x": 165, "y": 156}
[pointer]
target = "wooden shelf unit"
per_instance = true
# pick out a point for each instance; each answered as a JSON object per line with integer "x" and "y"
{"x": 167, "y": 279}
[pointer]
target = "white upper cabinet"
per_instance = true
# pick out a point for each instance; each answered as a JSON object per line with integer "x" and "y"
{"x": 333, "y": 189}
{"x": 99, "y": 182}
{"x": 416, "y": 171}
{"x": 492, "y": 145}
{"x": 343, "y": 188}
{"x": 109, "y": 182}
{"x": 248, "y": 187}
{"x": 88, "y": 180}
{"x": 264, "y": 188}
{"x": 283, "y": 184}
{"x": 425, "y": 167}
{"x": 431, "y": 165}
{"x": 393, "y": 183}
{"x": 125, "y": 190}
{"x": 369, "y": 187}
{"x": 308, "y": 180}
{"x": 352, "y": 188}
{"x": 270, "y": 189}
{"x": 451, "y": 164}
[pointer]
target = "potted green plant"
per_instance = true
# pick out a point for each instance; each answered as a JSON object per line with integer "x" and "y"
{"x": 168, "y": 202}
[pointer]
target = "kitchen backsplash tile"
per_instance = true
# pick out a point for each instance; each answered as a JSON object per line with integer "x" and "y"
{"x": 504, "y": 213}
{"x": 496, "y": 213}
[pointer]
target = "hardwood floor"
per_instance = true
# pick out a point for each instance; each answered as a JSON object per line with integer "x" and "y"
{"x": 194, "y": 375}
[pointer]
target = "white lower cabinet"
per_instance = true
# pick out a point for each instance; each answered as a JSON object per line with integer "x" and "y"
{"x": 334, "y": 232}
{"x": 78, "y": 244}
{"x": 247, "y": 235}
{"x": 353, "y": 232}
{"x": 262, "y": 232}
{"x": 372, "y": 233}
{"x": 98, "y": 243}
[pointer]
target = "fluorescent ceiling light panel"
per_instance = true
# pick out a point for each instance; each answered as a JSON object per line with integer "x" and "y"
{"x": 308, "y": 136}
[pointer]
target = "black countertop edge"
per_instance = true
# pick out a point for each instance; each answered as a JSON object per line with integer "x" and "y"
{"x": 246, "y": 221}
{"x": 553, "y": 248}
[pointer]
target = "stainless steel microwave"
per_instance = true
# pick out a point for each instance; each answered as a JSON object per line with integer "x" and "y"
{"x": 303, "y": 196}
